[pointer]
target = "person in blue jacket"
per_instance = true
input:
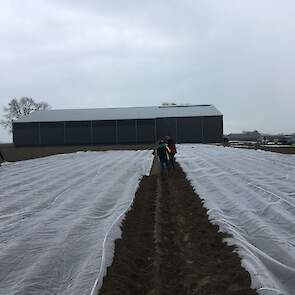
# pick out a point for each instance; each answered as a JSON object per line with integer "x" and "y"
{"x": 1, "y": 158}
{"x": 163, "y": 152}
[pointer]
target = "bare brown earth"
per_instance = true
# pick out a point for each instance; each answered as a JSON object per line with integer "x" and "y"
{"x": 275, "y": 149}
{"x": 281, "y": 150}
{"x": 168, "y": 246}
{"x": 12, "y": 153}
{"x": 132, "y": 271}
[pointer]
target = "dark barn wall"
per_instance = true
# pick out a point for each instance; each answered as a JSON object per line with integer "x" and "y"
{"x": 213, "y": 129}
{"x": 104, "y": 132}
{"x": 51, "y": 133}
{"x": 189, "y": 130}
{"x": 26, "y": 133}
{"x": 78, "y": 133}
{"x": 126, "y": 131}
{"x": 146, "y": 131}
{"x": 166, "y": 126}
{"x": 183, "y": 130}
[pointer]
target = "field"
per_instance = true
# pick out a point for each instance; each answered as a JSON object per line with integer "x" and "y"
{"x": 251, "y": 195}
{"x": 194, "y": 231}
{"x": 12, "y": 153}
{"x": 169, "y": 247}
{"x": 55, "y": 214}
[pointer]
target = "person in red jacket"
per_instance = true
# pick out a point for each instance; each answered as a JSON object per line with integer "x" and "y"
{"x": 171, "y": 145}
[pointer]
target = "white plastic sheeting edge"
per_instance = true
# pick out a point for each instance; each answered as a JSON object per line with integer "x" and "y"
{"x": 250, "y": 195}
{"x": 60, "y": 214}
{"x": 113, "y": 234}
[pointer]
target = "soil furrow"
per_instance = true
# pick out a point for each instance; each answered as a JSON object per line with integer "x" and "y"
{"x": 168, "y": 246}
{"x": 132, "y": 270}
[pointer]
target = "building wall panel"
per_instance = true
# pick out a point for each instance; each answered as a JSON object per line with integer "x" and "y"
{"x": 166, "y": 126}
{"x": 26, "y": 134}
{"x": 213, "y": 129}
{"x": 51, "y": 133}
{"x": 189, "y": 130}
{"x": 146, "y": 131}
{"x": 126, "y": 130}
{"x": 104, "y": 132}
{"x": 182, "y": 129}
{"x": 78, "y": 133}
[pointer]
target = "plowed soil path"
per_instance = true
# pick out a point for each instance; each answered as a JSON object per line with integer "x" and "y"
{"x": 168, "y": 246}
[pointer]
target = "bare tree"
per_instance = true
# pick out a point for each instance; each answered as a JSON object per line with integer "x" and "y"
{"x": 18, "y": 108}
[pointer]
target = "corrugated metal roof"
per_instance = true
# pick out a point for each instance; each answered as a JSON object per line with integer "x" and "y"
{"x": 120, "y": 113}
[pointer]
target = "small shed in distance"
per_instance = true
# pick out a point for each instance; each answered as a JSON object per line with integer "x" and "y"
{"x": 132, "y": 125}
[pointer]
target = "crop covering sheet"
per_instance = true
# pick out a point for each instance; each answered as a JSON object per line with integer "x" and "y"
{"x": 55, "y": 213}
{"x": 251, "y": 195}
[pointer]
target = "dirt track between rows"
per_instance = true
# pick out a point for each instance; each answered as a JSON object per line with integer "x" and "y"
{"x": 168, "y": 246}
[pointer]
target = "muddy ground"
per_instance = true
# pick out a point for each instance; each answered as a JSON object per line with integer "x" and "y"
{"x": 169, "y": 247}
{"x": 12, "y": 153}
{"x": 289, "y": 150}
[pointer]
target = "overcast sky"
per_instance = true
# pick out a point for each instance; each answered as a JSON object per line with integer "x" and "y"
{"x": 236, "y": 54}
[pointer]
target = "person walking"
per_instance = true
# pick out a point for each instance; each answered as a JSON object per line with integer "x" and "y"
{"x": 171, "y": 145}
{"x": 163, "y": 152}
{"x": 1, "y": 158}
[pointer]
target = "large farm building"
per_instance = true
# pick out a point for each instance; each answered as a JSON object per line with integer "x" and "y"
{"x": 132, "y": 125}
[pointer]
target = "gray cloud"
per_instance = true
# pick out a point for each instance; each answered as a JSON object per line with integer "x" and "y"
{"x": 238, "y": 55}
